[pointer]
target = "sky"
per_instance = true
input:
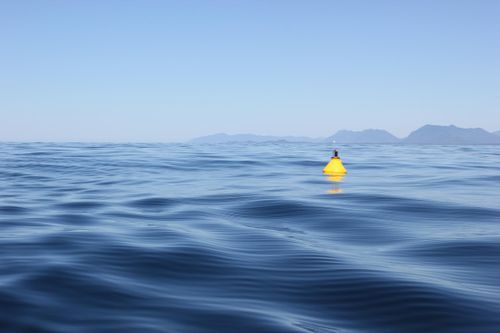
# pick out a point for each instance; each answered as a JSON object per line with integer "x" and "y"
{"x": 162, "y": 71}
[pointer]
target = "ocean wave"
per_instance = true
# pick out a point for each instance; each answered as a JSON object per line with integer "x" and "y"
{"x": 238, "y": 238}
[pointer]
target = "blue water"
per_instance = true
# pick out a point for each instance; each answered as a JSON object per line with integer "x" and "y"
{"x": 248, "y": 238}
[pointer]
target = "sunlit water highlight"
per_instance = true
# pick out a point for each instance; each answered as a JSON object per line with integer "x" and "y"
{"x": 248, "y": 238}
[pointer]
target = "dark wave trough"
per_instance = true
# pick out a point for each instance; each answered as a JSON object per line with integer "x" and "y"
{"x": 248, "y": 238}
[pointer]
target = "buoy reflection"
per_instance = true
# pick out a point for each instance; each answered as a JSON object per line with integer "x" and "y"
{"x": 336, "y": 179}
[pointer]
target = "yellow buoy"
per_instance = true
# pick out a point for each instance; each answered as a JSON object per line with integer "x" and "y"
{"x": 335, "y": 166}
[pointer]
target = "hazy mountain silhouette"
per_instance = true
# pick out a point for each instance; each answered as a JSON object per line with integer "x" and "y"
{"x": 366, "y": 136}
{"x": 428, "y": 134}
{"x": 434, "y": 134}
{"x": 226, "y": 138}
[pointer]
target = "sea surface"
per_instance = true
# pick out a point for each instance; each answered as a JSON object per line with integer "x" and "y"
{"x": 150, "y": 238}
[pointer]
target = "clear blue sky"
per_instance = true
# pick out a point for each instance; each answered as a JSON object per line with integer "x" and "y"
{"x": 172, "y": 70}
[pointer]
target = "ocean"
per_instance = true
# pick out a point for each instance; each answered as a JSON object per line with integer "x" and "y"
{"x": 150, "y": 238}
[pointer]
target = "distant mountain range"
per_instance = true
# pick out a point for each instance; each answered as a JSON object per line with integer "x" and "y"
{"x": 428, "y": 134}
{"x": 223, "y": 138}
{"x": 431, "y": 134}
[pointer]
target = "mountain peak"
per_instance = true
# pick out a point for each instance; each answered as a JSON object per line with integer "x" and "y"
{"x": 436, "y": 134}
